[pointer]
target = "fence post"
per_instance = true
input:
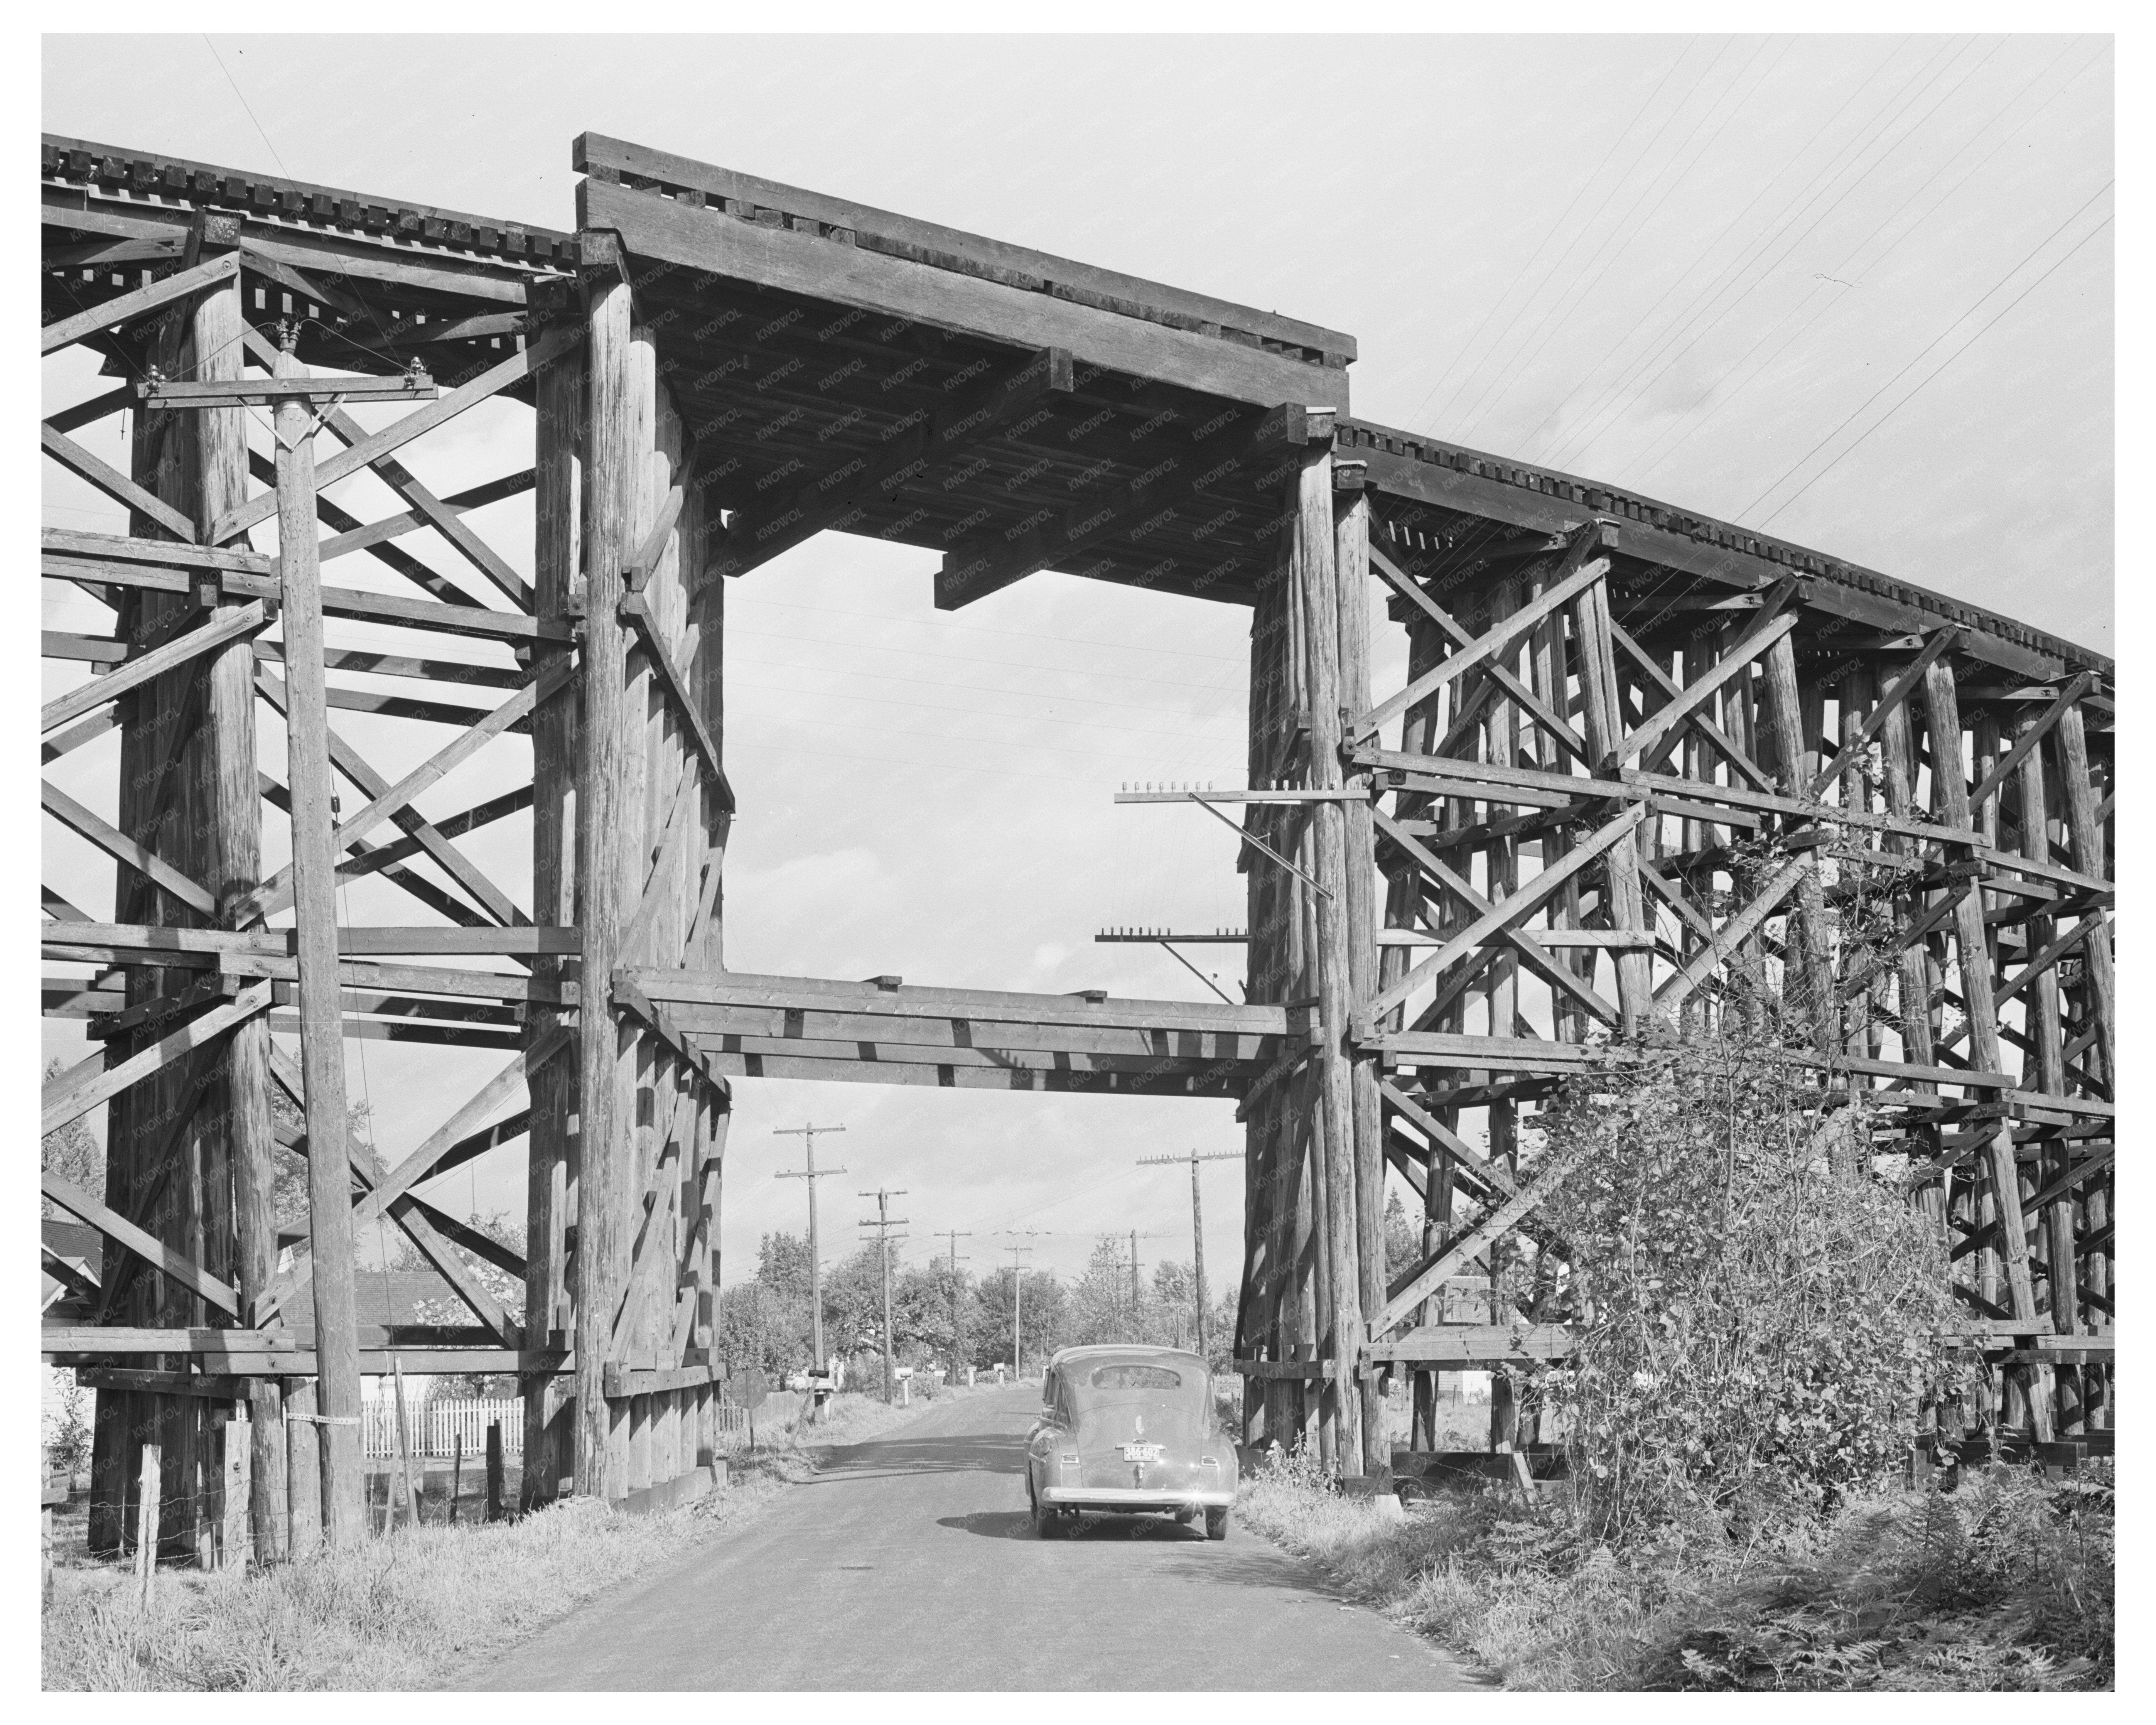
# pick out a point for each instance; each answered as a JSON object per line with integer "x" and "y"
{"x": 411, "y": 1497}
{"x": 494, "y": 1470}
{"x": 457, "y": 1476}
{"x": 145, "y": 1525}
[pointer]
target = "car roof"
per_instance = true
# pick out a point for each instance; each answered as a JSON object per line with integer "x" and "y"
{"x": 1121, "y": 1350}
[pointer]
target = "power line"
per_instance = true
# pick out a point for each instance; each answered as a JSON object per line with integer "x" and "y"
{"x": 1499, "y": 302}
{"x": 1689, "y": 318}
{"x": 1927, "y": 379}
{"x": 1662, "y": 448}
{"x": 1628, "y": 227}
{"x": 1474, "y": 411}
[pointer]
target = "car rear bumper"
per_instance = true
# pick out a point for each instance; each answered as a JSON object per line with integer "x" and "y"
{"x": 1133, "y": 1499}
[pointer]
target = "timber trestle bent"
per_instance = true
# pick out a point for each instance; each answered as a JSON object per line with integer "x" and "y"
{"x": 1519, "y": 865}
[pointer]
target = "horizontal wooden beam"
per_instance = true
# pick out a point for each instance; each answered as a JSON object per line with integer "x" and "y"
{"x": 746, "y": 989}
{"x": 839, "y": 500}
{"x": 151, "y": 939}
{"x": 659, "y": 229}
{"x": 1466, "y": 1346}
{"x": 1176, "y": 482}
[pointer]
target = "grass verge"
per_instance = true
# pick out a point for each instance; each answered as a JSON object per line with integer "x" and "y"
{"x": 2005, "y": 1583}
{"x": 394, "y": 1613}
{"x": 401, "y": 1610}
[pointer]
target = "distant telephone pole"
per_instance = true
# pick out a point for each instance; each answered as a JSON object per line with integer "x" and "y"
{"x": 810, "y": 1173}
{"x": 884, "y": 1223}
{"x": 1197, "y": 1224}
{"x": 957, "y": 1340}
{"x": 1018, "y": 1298}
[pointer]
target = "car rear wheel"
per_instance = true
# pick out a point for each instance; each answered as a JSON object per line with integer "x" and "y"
{"x": 1047, "y": 1524}
{"x": 1185, "y": 1516}
{"x": 1216, "y": 1524}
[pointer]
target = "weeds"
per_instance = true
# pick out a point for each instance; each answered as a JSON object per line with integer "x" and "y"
{"x": 392, "y": 1613}
{"x": 2005, "y": 1583}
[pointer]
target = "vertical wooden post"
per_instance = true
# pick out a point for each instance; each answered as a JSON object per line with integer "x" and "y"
{"x": 616, "y": 446}
{"x": 550, "y": 1181}
{"x": 2044, "y": 1068}
{"x": 234, "y": 860}
{"x": 407, "y": 1490}
{"x": 2078, "y": 791}
{"x": 235, "y": 1462}
{"x": 303, "y": 1470}
{"x": 1942, "y": 706}
{"x": 1315, "y": 553}
{"x": 1267, "y": 1207}
{"x": 494, "y": 1470}
{"x": 1600, "y": 707}
{"x": 1785, "y": 714}
{"x": 1352, "y": 575}
{"x": 457, "y": 1476}
{"x": 2085, "y": 833}
{"x": 321, "y": 1018}
{"x": 146, "y": 1523}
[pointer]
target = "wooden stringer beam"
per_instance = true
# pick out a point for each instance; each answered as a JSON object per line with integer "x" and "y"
{"x": 839, "y": 500}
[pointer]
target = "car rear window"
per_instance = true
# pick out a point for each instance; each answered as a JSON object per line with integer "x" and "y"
{"x": 1128, "y": 1377}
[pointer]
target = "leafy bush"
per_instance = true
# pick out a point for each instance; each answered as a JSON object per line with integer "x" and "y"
{"x": 1754, "y": 1310}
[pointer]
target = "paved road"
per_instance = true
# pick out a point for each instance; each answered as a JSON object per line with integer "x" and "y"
{"x": 909, "y": 1563}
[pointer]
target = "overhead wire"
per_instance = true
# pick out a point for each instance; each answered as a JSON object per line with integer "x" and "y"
{"x": 1503, "y": 299}
{"x": 1765, "y": 189}
{"x": 1691, "y": 425}
{"x": 1626, "y": 228}
{"x": 1697, "y": 325}
{"x": 1473, "y": 414}
{"x": 2056, "y": 265}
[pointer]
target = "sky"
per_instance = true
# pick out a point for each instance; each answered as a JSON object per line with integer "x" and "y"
{"x": 1855, "y": 291}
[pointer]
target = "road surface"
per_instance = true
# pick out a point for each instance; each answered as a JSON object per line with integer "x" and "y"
{"x": 909, "y": 1563}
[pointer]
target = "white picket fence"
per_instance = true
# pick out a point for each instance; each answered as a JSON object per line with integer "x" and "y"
{"x": 435, "y": 1425}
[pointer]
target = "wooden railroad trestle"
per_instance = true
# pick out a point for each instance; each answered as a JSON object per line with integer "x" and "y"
{"x": 1449, "y": 887}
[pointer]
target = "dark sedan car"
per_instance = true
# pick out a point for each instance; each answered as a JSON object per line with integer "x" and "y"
{"x": 1128, "y": 1431}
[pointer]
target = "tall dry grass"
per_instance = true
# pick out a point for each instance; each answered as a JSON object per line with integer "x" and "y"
{"x": 397, "y": 1612}
{"x": 2005, "y": 1583}
{"x": 403, "y": 1610}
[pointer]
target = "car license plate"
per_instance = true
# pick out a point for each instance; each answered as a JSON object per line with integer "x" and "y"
{"x": 1141, "y": 1452}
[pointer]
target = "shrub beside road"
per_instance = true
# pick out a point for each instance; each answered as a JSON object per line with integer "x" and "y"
{"x": 2005, "y": 1583}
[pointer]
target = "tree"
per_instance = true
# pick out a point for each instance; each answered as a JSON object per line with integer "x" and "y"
{"x": 1403, "y": 1244}
{"x": 1042, "y": 1300}
{"x": 1100, "y": 1306}
{"x": 1754, "y": 1309}
{"x": 73, "y": 1154}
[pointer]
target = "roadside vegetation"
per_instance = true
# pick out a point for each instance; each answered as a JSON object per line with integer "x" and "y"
{"x": 1757, "y": 1303}
{"x": 2003, "y": 1584}
{"x": 408, "y": 1609}
{"x": 396, "y": 1612}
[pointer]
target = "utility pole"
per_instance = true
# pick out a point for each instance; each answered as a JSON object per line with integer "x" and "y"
{"x": 956, "y": 1339}
{"x": 884, "y": 1223}
{"x": 1017, "y": 1306}
{"x": 1197, "y": 1226}
{"x": 807, "y": 1135}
